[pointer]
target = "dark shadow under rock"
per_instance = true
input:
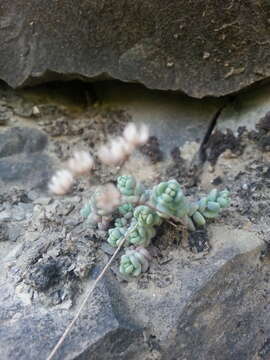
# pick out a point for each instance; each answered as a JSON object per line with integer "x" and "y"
{"x": 219, "y": 142}
{"x": 198, "y": 240}
{"x": 44, "y": 275}
{"x": 262, "y": 134}
{"x": 152, "y": 150}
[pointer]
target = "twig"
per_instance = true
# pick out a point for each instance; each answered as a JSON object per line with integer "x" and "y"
{"x": 173, "y": 224}
{"x": 89, "y": 292}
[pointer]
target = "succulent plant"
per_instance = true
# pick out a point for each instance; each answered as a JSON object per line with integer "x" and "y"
{"x": 209, "y": 207}
{"x": 132, "y": 191}
{"x": 126, "y": 210}
{"x": 127, "y": 185}
{"x": 121, "y": 222}
{"x": 94, "y": 215}
{"x": 89, "y": 212}
{"x": 142, "y": 210}
{"x": 141, "y": 235}
{"x": 134, "y": 262}
{"x": 146, "y": 216}
{"x": 168, "y": 198}
{"x": 86, "y": 210}
{"x": 116, "y": 235}
{"x": 143, "y": 223}
{"x": 223, "y": 198}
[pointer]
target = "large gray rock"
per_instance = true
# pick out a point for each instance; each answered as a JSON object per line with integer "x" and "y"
{"x": 228, "y": 323}
{"x": 99, "y": 334}
{"x": 201, "y": 48}
{"x": 209, "y": 308}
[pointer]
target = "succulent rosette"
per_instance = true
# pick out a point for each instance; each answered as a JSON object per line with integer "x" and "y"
{"x": 86, "y": 210}
{"x": 121, "y": 222}
{"x": 134, "y": 262}
{"x": 116, "y": 235}
{"x": 89, "y": 212}
{"x": 168, "y": 198}
{"x": 146, "y": 216}
{"x": 141, "y": 235}
{"x": 132, "y": 191}
{"x": 209, "y": 207}
{"x": 126, "y": 210}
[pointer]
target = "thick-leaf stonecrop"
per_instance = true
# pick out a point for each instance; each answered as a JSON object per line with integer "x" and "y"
{"x": 142, "y": 210}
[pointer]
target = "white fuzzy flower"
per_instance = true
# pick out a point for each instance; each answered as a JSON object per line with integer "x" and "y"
{"x": 116, "y": 152}
{"x": 81, "y": 163}
{"x": 121, "y": 145}
{"x": 107, "y": 199}
{"x": 104, "y": 155}
{"x": 135, "y": 135}
{"x": 61, "y": 182}
{"x": 119, "y": 149}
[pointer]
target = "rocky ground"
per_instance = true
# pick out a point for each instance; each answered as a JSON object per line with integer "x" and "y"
{"x": 204, "y": 297}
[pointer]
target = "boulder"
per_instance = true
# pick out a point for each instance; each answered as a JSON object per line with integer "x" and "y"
{"x": 200, "y": 48}
{"x": 211, "y": 308}
{"x": 228, "y": 323}
{"x": 99, "y": 335}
